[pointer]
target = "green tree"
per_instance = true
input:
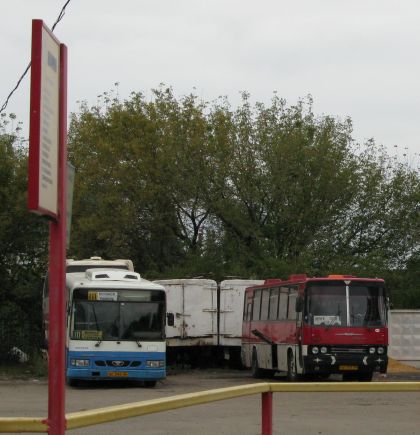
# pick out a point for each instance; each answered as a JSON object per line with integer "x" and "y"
{"x": 379, "y": 229}
{"x": 288, "y": 176}
{"x": 23, "y": 247}
{"x": 185, "y": 187}
{"x": 141, "y": 198}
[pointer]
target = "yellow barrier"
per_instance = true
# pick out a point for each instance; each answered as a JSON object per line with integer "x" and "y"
{"x": 329, "y": 387}
{"x": 119, "y": 412}
{"x": 112, "y": 413}
{"x": 23, "y": 424}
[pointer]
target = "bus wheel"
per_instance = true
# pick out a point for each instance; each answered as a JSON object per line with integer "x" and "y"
{"x": 72, "y": 382}
{"x": 291, "y": 368}
{"x": 255, "y": 370}
{"x": 150, "y": 384}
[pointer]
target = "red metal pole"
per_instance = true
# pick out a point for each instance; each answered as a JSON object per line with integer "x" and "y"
{"x": 57, "y": 266}
{"x": 267, "y": 413}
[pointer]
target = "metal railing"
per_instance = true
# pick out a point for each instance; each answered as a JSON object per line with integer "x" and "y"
{"x": 108, "y": 414}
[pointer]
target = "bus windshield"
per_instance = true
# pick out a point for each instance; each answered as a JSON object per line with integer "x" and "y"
{"x": 336, "y": 304}
{"x": 111, "y": 320}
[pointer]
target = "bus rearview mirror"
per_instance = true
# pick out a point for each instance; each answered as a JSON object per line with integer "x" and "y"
{"x": 170, "y": 319}
{"x": 299, "y": 304}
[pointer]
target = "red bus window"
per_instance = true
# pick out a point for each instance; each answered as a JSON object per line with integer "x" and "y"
{"x": 265, "y": 303}
{"x": 366, "y": 305}
{"x": 257, "y": 305}
{"x": 247, "y": 309}
{"x": 291, "y": 313}
{"x": 283, "y": 303}
{"x": 274, "y": 303}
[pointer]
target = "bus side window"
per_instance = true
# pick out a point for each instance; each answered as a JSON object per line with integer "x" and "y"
{"x": 274, "y": 303}
{"x": 247, "y": 308}
{"x": 291, "y": 313}
{"x": 249, "y": 312}
{"x": 265, "y": 304}
{"x": 257, "y": 305}
{"x": 283, "y": 303}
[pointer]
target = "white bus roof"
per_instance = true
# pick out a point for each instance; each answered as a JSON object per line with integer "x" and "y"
{"x": 109, "y": 278}
{"x": 100, "y": 262}
{"x": 108, "y": 274}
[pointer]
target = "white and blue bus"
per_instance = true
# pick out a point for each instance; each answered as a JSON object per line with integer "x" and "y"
{"x": 115, "y": 327}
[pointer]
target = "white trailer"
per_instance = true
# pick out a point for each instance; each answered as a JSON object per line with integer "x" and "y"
{"x": 192, "y": 303}
{"x": 204, "y": 318}
{"x": 231, "y": 304}
{"x": 404, "y": 336}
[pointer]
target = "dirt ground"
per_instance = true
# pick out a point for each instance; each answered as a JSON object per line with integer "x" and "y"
{"x": 395, "y": 366}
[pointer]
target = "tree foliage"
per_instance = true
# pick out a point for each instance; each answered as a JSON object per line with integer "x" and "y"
{"x": 23, "y": 247}
{"x": 190, "y": 188}
{"x": 186, "y": 188}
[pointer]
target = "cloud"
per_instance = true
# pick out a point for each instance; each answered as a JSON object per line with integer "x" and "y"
{"x": 357, "y": 59}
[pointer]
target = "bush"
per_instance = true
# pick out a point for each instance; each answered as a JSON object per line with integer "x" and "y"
{"x": 16, "y": 334}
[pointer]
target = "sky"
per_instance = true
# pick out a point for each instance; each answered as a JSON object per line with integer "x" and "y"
{"x": 357, "y": 59}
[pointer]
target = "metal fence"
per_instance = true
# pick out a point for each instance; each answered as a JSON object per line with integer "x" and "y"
{"x": 17, "y": 339}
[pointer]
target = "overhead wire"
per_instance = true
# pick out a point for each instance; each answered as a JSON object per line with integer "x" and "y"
{"x": 59, "y": 18}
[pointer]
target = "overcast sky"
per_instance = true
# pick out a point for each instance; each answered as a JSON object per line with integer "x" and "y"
{"x": 358, "y": 58}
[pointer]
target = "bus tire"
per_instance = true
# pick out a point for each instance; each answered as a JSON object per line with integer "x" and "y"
{"x": 150, "y": 384}
{"x": 255, "y": 370}
{"x": 72, "y": 382}
{"x": 291, "y": 368}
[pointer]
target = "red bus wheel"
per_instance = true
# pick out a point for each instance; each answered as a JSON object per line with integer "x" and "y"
{"x": 255, "y": 370}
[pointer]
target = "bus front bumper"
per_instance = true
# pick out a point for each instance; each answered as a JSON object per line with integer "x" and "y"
{"x": 329, "y": 364}
{"x": 109, "y": 374}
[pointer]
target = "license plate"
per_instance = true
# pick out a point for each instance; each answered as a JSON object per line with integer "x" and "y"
{"x": 117, "y": 374}
{"x": 348, "y": 368}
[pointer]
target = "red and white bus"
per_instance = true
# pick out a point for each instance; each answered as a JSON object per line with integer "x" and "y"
{"x": 316, "y": 327}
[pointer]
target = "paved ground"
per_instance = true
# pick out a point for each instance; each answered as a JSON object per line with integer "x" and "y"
{"x": 293, "y": 413}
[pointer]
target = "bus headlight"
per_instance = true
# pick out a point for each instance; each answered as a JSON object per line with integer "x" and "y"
{"x": 324, "y": 349}
{"x": 155, "y": 364}
{"x": 79, "y": 362}
{"x": 315, "y": 350}
{"x": 381, "y": 350}
{"x": 371, "y": 350}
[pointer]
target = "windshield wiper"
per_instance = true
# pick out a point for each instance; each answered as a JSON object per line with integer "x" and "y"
{"x": 97, "y": 326}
